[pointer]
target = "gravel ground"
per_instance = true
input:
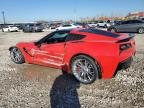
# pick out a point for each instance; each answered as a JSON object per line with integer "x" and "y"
{"x": 33, "y": 86}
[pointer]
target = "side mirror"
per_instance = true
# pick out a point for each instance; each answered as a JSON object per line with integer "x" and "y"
{"x": 39, "y": 45}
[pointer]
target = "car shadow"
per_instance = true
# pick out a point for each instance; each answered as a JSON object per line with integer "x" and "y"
{"x": 63, "y": 93}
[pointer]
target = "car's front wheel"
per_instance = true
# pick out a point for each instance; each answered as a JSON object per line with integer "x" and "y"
{"x": 16, "y": 55}
{"x": 84, "y": 69}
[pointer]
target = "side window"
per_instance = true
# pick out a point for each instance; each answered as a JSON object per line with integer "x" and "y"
{"x": 66, "y": 25}
{"x": 125, "y": 22}
{"x": 57, "y": 38}
{"x": 73, "y": 37}
{"x": 100, "y": 22}
{"x": 6, "y": 27}
{"x": 137, "y": 21}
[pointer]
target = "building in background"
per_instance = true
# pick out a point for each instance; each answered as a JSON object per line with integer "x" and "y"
{"x": 135, "y": 15}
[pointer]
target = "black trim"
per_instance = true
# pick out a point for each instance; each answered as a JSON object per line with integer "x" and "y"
{"x": 100, "y": 32}
{"x": 42, "y": 40}
{"x": 125, "y": 40}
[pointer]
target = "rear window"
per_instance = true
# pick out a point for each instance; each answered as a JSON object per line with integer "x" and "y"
{"x": 11, "y": 26}
{"x": 100, "y": 32}
{"x": 73, "y": 37}
{"x": 38, "y": 24}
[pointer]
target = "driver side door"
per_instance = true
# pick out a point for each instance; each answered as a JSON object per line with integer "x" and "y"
{"x": 52, "y": 51}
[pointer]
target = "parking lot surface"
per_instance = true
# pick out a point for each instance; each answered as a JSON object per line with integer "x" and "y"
{"x": 35, "y": 86}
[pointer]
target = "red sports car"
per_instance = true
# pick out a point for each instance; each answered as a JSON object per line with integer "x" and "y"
{"x": 88, "y": 54}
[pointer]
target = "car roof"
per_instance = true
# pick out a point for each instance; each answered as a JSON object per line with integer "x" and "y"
{"x": 99, "y": 32}
{"x": 64, "y": 30}
{"x": 92, "y": 31}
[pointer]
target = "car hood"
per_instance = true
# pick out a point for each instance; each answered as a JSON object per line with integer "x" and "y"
{"x": 25, "y": 44}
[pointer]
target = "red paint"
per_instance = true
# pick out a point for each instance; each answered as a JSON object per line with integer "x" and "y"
{"x": 103, "y": 49}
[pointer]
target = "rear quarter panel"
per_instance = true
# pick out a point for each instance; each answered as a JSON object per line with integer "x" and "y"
{"x": 104, "y": 53}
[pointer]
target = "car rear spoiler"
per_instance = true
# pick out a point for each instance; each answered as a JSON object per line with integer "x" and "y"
{"x": 131, "y": 35}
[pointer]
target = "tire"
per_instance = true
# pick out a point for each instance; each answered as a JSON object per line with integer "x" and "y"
{"x": 113, "y": 30}
{"x": 85, "y": 69}
{"x": 33, "y": 30}
{"x": 141, "y": 30}
{"x": 24, "y": 31}
{"x": 105, "y": 26}
{"x": 16, "y": 55}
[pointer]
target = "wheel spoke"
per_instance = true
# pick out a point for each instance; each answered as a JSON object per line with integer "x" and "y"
{"x": 83, "y": 70}
{"x": 86, "y": 63}
{"x": 84, "y": 77}
{"x": 16, "y": 54}
{"x": 80, "y": 63}
{"x": 88, "y": 75}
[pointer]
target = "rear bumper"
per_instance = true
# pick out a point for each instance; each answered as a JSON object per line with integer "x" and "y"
{"x": 122, "y": 65}
{"x": 111, "y": 65}
{"x": 125, "y": 55}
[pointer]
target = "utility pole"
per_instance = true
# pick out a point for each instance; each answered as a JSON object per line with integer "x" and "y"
{"x": 3, "y": 15}
{"x": 75, "y": 17}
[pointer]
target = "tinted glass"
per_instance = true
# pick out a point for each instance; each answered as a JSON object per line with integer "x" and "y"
{"x": 66, "y": 25}
{"x": 72, "y": 37}
{"x": 101, "y": 22}
{"x": 75, "y": 24}
{"x": 38, "y": 25}
{"x": 138, "y": 21}
{"x": 125, "y": 22}
{"x": 56, "y": 38}
{"x": 31, "y": 25}
{"x": 11, "y": 26}
{"x": 100, "y": 32}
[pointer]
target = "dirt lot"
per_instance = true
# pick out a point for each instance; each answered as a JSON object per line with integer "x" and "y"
{"x": 36, "y": 86}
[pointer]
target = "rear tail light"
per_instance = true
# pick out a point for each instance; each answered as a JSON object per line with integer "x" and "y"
{"x": 125, "y": 47}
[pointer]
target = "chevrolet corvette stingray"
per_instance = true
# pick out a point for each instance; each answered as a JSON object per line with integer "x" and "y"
{"x": 88, "y": 54}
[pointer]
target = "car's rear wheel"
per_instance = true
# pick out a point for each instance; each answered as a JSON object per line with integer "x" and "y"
{"x": 84, "y": 69}
{"x": 16, "y": 55}
{"x": 141, "y": 30}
